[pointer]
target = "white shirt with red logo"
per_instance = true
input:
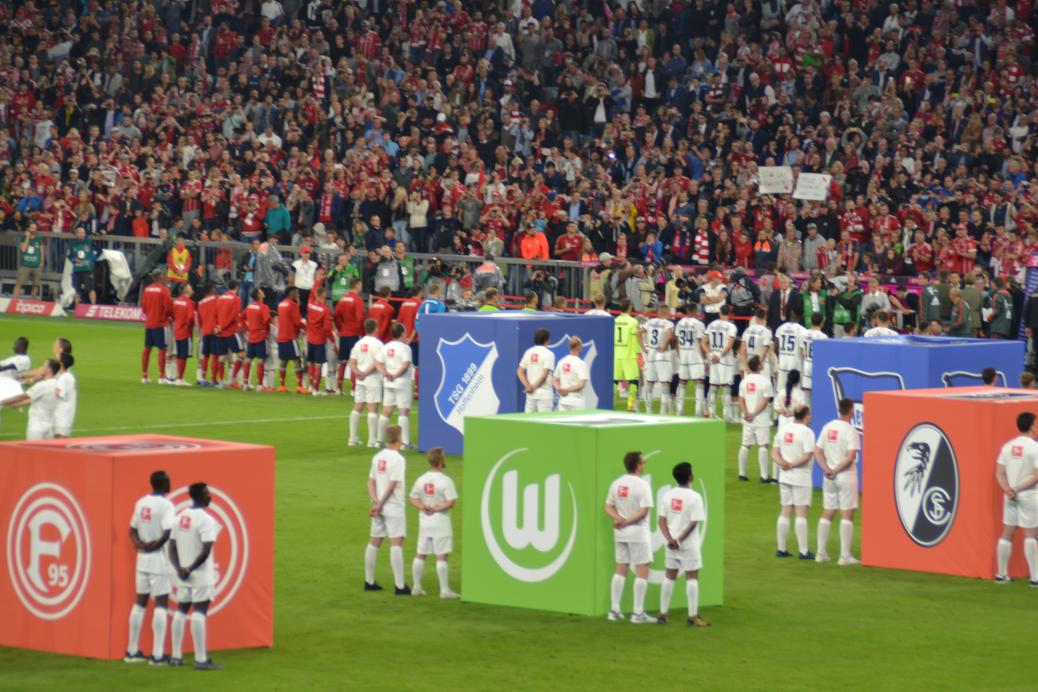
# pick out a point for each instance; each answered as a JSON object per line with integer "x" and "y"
{"x": 1019, "y": 457}
{"x": 153, "y": 515}
{"x": 754, "y": 389}
{"x": 629, "y": 494}
{"x": 537, "y": 361}
{"x": 393, "y": 356}
{"x": 434, "y": 488}
{"x": 194, "y": 527}
{"x": 836, "y": 440}
{"x": 794, "y": 441}
{"x": 572, "y": 370}
{"x": 681, "y": 507}
{"x": 388, "y": 466}
{"x": 365, "y": 352}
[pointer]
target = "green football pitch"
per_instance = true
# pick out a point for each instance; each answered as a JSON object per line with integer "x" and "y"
{"x": 786, "y": 624}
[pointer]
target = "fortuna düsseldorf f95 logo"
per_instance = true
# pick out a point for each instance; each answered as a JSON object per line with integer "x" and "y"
{"x": 231, "y": 550}
{"x": 48, "y": 551}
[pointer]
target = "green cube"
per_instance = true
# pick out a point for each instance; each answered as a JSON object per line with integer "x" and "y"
{"x": 535, "y": 532}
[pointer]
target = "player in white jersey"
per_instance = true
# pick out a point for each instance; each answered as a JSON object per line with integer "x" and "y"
{"x": 388, "y": 519}
{"x": 787, "y": 401}
{"x": 793, "y": 452}
{"x": 755, "y": 395}
{"x": 150, "y": 528}
{"x": 656, "y": 335}
{"x": 534, "y": 372}
{"x": 191, "y": 555}
{"x": 42, "y": 401}
{"x": 363, "y": 364}
{"x": 394, "y": 365}
{"x": 628, "y": 503}
{"x": 880, "y": 326}
{"x": 807, "y": 343}
{"x": 1017, "y": 476}
{"x": 67, "y": 393}
{"x": 681, "y": 516}
{"x": 719, "y": 343}
{"x": 787, "y": 349}
{"x": 600, "y": 308}
{"x": 689, "y": 332}
{"x": 433, "y": 495}
{"x": 19, "y": 363}
{"x": 570, "y": 378}
{"x": 756, "y": 341}
{"x": 836, "y": 451}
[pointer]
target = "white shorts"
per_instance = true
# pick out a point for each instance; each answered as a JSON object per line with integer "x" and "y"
{"x": 39, "y": 432}
{"x": 153, "y": 584}
{"x": 795, "y": 495}
{"x": 63, "y": 426}
{"x": 1022, "y": 512}
{"x": 537, "y": 405}
{"x": 841, "y": 493}
{"x": 367, "y": 393}
{"x": 182, "y": 593}
{"x": 633, "y": 553}
{"x": 572, "y": 406}
{"x": 441, "y": 545}
{"x": 755, "y": 434}
{"x": 720, "y": 374}
{"x": 659, "y": 370}
{"x": 805, "y": 379}
{"x": 683, "y": 560}
{"x": 690, "y": 367}
{"x": 388, "y": 527}
{"x": 401, "y": 398}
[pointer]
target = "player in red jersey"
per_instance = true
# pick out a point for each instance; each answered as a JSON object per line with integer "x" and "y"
{"x": 382, "y": 312}
{"x": 318, "y": 331}
{"x": 158, "y": 310}
{"x": 206, "y": 310}
{"x": 290, "y": 324}
{"x": 225, "y": 328}
{"x": 349, "y": 323}
{"x": 408, "y": 316}
{"x": 183, "y": 328}
{"x": 257, "y": 325}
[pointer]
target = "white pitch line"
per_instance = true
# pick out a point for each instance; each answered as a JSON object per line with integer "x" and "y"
{"x": 166, "y": 426}
{"x": 76, "y": 322}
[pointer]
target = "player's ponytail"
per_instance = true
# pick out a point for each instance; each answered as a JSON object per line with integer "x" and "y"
{"x": 792, "y": 380}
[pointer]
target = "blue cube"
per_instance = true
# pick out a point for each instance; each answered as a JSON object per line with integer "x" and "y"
{"x": 847, "y": 368}
{"x": 468, "y": 365}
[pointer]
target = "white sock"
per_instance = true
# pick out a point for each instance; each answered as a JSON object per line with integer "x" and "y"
{"x": 782, "y": 532}
{"x": 442, "y": 574}
{"x": 372, "y": 422}
{"x": 370, "y": 553}
{"x": 383, "y": 423}
{"x": 136, "y": 619}
{"x": 405, "y": 429}
{"x": 762, "y": 461}
{"x": 711, "y": 402}
{"x": 846, "y": 536}
{"x": 823, "y": 535}
{"x": 744, "y": 456}
{"x": 665, "y": 402}
{"x": 800, "y": 526}
{"x": 1031, "y": 553}
{"x": 700, "y": 388}
{"x": 417, "y": 570}
{"x": 640, "y": 587}
{"x": 159, "y": 620}
{"x": 692, "y": 594}
{"x": 616, "y": 591}
{"x": 647, "y": 396}
{"x": 178, "y": 635}
{"x": 679, "y": 399}
{"x": 1003, "y": 551}
{"x": 396, "y": 561}
{"x": 666, "y": 591}
{"x": 354, "y": 425}
{"x": 733, "y": 410}
{"x": 198, "y": 636}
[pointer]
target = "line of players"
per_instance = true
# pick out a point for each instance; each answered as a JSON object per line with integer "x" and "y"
{"x": 53, "y": 392}
{"x": 236, "y": 338}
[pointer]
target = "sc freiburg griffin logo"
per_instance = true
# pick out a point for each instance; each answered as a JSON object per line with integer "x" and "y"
{"x": 926, "y": 484}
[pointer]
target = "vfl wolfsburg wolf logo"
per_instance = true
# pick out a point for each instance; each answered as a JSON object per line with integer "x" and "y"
{"x": 466, "y": 383}
{"x": 926, "y": 485}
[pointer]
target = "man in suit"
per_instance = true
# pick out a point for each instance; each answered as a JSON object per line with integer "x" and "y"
{"x": 784, "y": 302}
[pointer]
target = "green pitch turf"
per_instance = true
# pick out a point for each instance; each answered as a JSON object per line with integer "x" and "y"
{"x": 786, "y": 624}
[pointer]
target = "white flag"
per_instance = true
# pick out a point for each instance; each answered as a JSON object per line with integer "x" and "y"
{"x": 775, "y": 180}
{"x": 813, "y": 186}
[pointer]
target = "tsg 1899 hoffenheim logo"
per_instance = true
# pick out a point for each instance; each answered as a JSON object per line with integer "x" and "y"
{"x": 926, "y": 484}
